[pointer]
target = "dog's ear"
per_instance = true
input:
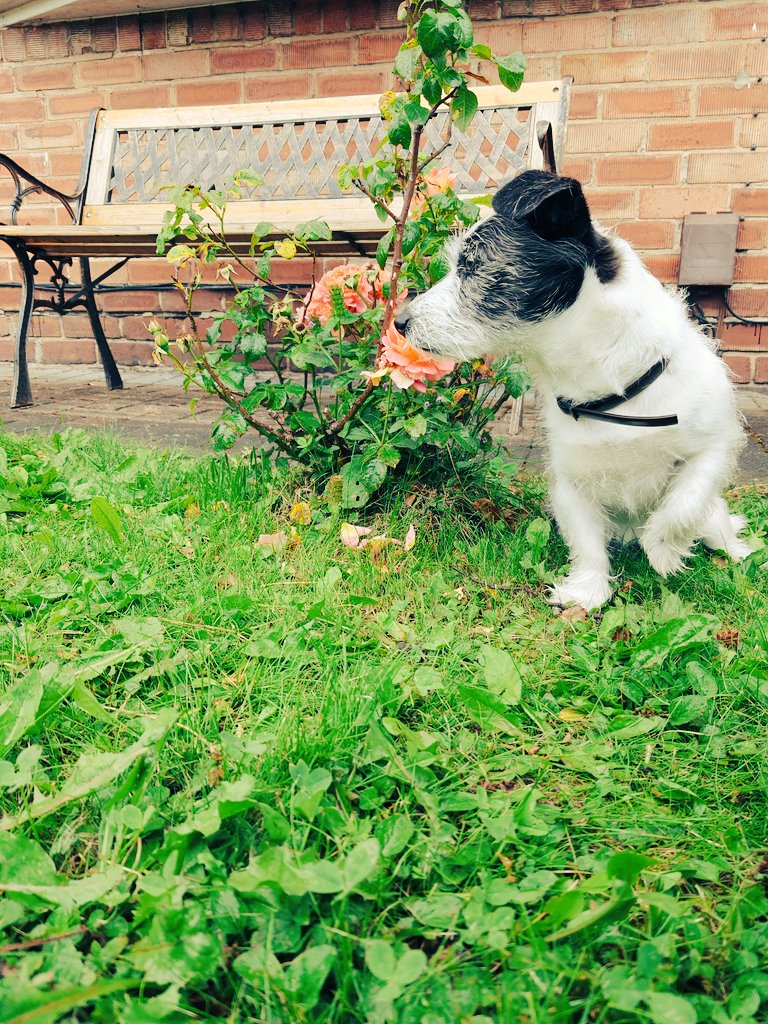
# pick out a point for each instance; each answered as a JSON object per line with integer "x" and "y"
{"x": 553, "y": 206}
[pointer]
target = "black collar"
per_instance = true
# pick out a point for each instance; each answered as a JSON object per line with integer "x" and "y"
{"x": 599, "y": 409}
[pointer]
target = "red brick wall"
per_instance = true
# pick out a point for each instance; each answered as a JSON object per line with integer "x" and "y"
{"x": 669, "y": 116}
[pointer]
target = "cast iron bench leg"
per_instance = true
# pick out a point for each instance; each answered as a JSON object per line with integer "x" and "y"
{"x": 21, "y": 392}
{"x": 111, "y": 372}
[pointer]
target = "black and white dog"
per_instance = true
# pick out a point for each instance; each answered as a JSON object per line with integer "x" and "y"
{"x": 598, "y": 333}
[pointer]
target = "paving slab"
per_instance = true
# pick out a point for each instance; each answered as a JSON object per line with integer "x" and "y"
{"x": 154, "y": 409}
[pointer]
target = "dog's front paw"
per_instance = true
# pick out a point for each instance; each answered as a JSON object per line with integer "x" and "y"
{"x": 590, "y": 590}
{"x": 667, "y": 558}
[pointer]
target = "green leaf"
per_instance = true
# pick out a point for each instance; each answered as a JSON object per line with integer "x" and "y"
{"x": 411, "y": 236}
{"x": 305, "y": 976}
{"x": 382, "y": 249}
{"x": 253, "y": 346}
{"x": 666, "y": 1008}
{"x": 434, "y": 32}
{"x": 501, "y": 674}
{"x": 39, "y": 1007}
{"x": 380, "y": 959}
{"x": 407, "y": 61}
{"x": 20, "y": 702}
{"x": 481, "y": 51}
{"x": 627, "y": 866}
{"x": 511, "y": 70}
{"x": 463, "y": 107}
{"x": 399, "y": 131}
{"x": 374, "y": 473}
{"x": 107, "y": 518}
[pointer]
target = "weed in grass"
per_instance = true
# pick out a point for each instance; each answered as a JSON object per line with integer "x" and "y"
{"x": 286, "y": 785}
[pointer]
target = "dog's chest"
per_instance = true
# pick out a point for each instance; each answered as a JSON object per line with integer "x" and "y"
{"x": 632, "y": 474}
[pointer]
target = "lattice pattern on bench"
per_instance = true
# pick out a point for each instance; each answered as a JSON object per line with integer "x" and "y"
{"x": 300, "y": 160}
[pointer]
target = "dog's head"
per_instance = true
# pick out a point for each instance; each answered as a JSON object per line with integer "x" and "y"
{"x": 519, "y": 267}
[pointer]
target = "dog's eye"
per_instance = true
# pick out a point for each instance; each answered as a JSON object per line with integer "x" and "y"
{"x": 468, "y": 261}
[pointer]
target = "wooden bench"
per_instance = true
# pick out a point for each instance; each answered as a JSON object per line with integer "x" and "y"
{"x": 296, "y": 146}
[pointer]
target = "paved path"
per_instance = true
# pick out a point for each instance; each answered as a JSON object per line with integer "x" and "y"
{"x": 153, "y": 408}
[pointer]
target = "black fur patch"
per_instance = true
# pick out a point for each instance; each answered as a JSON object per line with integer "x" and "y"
{"x": 543, "y": 228}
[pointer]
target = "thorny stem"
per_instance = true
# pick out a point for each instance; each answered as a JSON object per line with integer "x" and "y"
{"x": 397, "y": 260}
{"x": 280, "y": 438}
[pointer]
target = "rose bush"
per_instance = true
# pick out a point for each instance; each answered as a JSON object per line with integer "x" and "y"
{"x": 346, "y": 395}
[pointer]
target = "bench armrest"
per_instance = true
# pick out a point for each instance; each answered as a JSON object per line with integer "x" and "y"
{"x": 27, "y": 184}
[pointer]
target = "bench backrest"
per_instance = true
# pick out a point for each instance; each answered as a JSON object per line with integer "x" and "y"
{"x": 298, "y": 147}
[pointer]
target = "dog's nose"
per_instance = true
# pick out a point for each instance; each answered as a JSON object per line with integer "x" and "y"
{"x": 402, "y": 319}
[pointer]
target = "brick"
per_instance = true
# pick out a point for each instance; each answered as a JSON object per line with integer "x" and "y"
{"x": 46, "y": 41}
{"x": 6, "y": 82}
{"x": 606, "y": 68}
{"x": 727, "y": 99}
{"x": 227, "y": 23}
{"x": 9, "y": 141}
{"x": 607, "y": 137}
{"x": 254, "y": 22}
{"x": 578, "y": 167}
{"x": 177, "y": 28}
{"x": 753, "y": 234}
{"x": 140, "y": 96}
{"x": 647, "y": 28}
{"x": 739, "y": 21}
{"x": 637, "y": 170}
{"x": 192, "y": 94}
{"x": 740, "y": 367}
{"x": 43, "y": 79}
{"x": 733, "y": 166}
{"x": 23, "y": 108}
{"x": 388, "y": 13}
{"x": 613, "y": 5}
{"x": 515, "y": 8}
{"x": 108, "y": 71}
{"x": 751, "y": 201}
{"x": 484, "y": 10}
{"x": 335, "y": 16}
{"x": 577, "y": 6}
{"x": 132, "y": 353}
{"x": 201, "y": 25}
{"x": 383, "y": 46}
{"x": 12, "y": 40}
{"x": 753, "y": 132}
{"x": 65, "y": 165}
{"x": 104, "y": 36}
{"x": 649, "y": 234}
{"x": 760, "y": 371}
{"x": 661, "y": 202}
{"x": 612, "y": 203}
{"x": 279, "y": 18}
{"x": 308, "y": 18}
{"x": 747, "y": 337}
{"x": 584, "y": 104}
{"x": 352, "y": 83}
{"x": 566, "y": 33}
{"x": 80, "y": 38}
{"x": 118, "y": 302}
{"x": 50, "y": 135}
{"x": 189, "y": 63}
{"x": 318, "y": 53}
{"x": 362, "y": 15}
{"x": 502, "y": 38}
{"x": 664, "y": 266}
{"x": 648, "y": 102}
{"x": 693, "y": 62}
{"x": 749, "y": 302}
{"x": 278, "y": 87}
{"x": 249, "y": 58}
{"x": 128, "y": 33}
{"x": 70, "y": 350}
{"x": 696, "y": 135}
{"x": 751, "y": 268}
{"x": 153, "y": 32}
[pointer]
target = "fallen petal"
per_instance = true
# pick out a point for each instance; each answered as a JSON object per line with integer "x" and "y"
{"x": 350, "y": 535}
{"x": 272, "y": 541}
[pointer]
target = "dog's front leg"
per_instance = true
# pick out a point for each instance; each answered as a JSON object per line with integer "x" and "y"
{"x": 583, "y": 526}
{"x": 692, "y": 508}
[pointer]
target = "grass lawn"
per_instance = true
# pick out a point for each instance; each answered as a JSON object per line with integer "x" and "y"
{"x": 263, "y": 783}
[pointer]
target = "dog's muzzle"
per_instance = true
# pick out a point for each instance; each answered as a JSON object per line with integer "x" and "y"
{"x": 402, "y": 320}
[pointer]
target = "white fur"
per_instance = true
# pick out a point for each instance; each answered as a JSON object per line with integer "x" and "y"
{"x": 659, "y": 484}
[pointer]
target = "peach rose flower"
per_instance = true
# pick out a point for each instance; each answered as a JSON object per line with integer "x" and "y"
{"x": 441, "y": 179}
{"x": 406, "y": 365}
{"x": 358, "y": 294}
